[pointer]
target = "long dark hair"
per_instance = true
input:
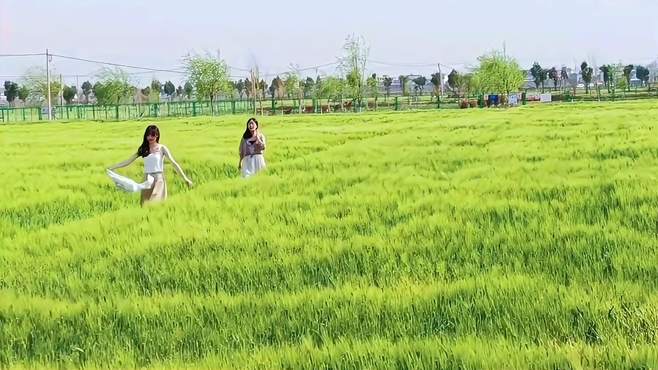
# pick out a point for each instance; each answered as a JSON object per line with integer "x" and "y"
{"x": 247, "y": 133}
{"x": 144, "y": 150}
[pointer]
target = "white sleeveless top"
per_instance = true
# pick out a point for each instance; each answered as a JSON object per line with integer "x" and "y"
{"x": 154, "y": 162}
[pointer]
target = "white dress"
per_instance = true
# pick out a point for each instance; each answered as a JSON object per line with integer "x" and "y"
{"x": 253, "y": 160}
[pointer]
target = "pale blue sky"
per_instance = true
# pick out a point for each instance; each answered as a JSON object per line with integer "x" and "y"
{"x": 274, "y": 34}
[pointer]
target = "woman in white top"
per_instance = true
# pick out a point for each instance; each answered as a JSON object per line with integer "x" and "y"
{"x": 252, "y": 147}
{"x": 154, "y": 154}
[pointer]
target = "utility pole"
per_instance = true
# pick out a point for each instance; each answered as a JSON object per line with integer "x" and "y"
{"x": 50, "y": 116}
{"x": 254, "y": 91}
{"x": 61, "y": 92}
{"x": 440, "y": 80}
{"x": 77, "y": 89}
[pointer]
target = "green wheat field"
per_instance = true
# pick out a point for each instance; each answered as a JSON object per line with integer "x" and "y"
{"x": 497, "y": 239}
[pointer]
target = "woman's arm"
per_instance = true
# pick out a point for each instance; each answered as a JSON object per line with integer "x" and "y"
{"x": 177, "y": 167}
{"x": 260, "y": 141}
{"x": 124, "y": 163}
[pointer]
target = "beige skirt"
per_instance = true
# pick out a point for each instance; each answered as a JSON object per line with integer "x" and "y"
{"x": 158, "y": 192}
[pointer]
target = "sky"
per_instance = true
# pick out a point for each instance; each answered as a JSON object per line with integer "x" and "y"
{"x": 403, "y": 37}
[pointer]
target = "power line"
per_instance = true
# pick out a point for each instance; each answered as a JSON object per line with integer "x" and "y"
{"x": 22, "y": 55}
{"x": 117, "y": 64}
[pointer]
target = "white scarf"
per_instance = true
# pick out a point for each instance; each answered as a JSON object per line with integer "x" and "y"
{"x": 130, "y": 185}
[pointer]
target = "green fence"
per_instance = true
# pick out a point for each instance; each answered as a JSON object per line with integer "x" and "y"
{"x": 127, "y": 111}
{"x": 285, "y": 106}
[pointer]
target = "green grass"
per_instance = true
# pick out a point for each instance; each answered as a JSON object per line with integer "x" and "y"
{"x": 522, "y": 238}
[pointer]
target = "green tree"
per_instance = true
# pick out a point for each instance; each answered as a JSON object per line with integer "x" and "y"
{"x": 23, "y": 93}
{"x": 642, "y": 73}
{"x": 403, "y": 84}
{"x": 291, "y": 85}
{"x": 309, "y": 87}
{"x": 68, "y": 93}
{"x": 333, "y": 88}
{"x": 627, "y": 75}
{"x": 564, "y": 77}
{"x": 189, "y": 89}
{"x": 209, "y": 76}
{"x": 11, "y": 91}
{"x": 467, "y": 84}
{"x": 262, "y": 86}
{"x": 169, "y": 89}
{"x": 240, "y": 87}
{"x": 373, "y": 87}
{"x": 353, "y": 65}
{"x": 539, "y": 75}
{"x": 453, "y": 81}
{"x": 387, "y": 82}
{"x": 180, "y": 92}
{"x": 587, "y": 73}
{"x": 420, "y": 82}
{"x": 554, "y": 75}
{"x": 113, "y": 87}
{"x": 436, "y": 83}
{"x": 605, "y": 69}
{"x": 36, "y": 81}
{"x": 497, "y": 73}
{"x": 86, "y": 90}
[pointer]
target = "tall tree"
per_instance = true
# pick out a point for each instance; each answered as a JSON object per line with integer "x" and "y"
{"x": 498, "y": 73}
{"x": 113, "y": 87}
{"x": 36, "y": 81}
{"x": 642, "y": 73}
{"x": 605, "y": 69}
{"x": 627, "y": 75}
{"x": 373, "y": 87}
{"x": 180, "y": 92}
{"x": 353, "y": 65}
{"x": 309, "y": 85}
{"x": 564, "y": 77}
{"x": 68, "y": 93}
{"x": 262, "y": 86}
{"x": 146, "y": 91}
{"x": 11, "y": 91}
{"x": 189, "y": 89}
{"x": 23, "y": 93}
{"x": 387, "y": 81}
{"x": 555, "y": 76}
{"x": 587, "y": 73}
{"x": 169, "y": 89}
{"x": 420, "y": 82}
{"x": 291, "y": 85}
{"x": 453, "y": 81}
{"x": 539, "y": 75}
{"x": 209, "y": 76}
{"x": 240, "y": 86}
{"x": 403, "y": 84}
{"x": 86, "y": 90}
{"x": 436, "y": 82}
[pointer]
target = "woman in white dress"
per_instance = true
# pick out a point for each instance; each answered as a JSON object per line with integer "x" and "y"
{"x": 252, "y": 147}
{"x": 154, "y": 154}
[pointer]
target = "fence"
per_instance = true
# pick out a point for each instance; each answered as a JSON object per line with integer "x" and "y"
{"x": 283, "y": 106}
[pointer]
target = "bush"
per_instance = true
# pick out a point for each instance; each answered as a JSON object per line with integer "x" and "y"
{"x": 463, "y": 104}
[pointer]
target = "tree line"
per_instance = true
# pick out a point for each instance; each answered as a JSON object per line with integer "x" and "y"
{"x": 207, "y": 78}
